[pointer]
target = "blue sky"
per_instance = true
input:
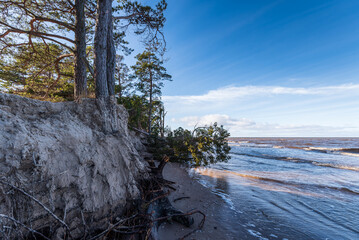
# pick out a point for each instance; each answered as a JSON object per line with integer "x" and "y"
{"x": 264, "y": 68}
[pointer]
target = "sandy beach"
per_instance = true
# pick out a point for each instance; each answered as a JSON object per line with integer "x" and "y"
{"x": 202, "y": 199}
{"x": 268, "y": 192}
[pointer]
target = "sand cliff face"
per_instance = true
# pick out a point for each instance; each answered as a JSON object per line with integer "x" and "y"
{"x": 78, "y": 159}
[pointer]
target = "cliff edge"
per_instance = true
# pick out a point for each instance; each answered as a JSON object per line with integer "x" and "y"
{"x": 77, "y": 162}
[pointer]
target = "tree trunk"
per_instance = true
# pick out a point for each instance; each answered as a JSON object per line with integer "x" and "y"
{"x": 102, "y": 26}
{"x": 120, "y": 87}
{"x": 150, "y": 106}
{"x": 80, "y": 51}
{"x": 111, "y": 55}
{"x": 163, "y": 122}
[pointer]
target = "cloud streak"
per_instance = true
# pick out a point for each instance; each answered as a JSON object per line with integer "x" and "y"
{"x": 243, "y": 126}
{"x": 232, "y": 92}
{"x": 271, "y": 110}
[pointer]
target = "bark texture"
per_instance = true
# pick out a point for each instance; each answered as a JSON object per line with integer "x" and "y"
{"x": 150, "y": 105}
{"x": 105, "y": 52}
{"x": 78, "y": 160}
{"x": 111, "y": 57}
{"x": 80, "y": 51}
{"x": 102, "y": 28}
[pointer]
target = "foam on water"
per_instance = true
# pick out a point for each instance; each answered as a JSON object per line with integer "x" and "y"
{"x": 282, "y": 180}
{"x": 194, "y": 172}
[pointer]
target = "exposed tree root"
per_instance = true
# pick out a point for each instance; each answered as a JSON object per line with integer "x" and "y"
{"x": 152, "y": 210}
{"x": 180, "y": 198}
{"x": 140, "y": 222}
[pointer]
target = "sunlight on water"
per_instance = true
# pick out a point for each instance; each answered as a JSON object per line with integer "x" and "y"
{"x": 315, "y": 180}
{"x": 259, "y": 182}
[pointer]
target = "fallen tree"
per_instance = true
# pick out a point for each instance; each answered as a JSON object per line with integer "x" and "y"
{"x": 150, "y": 211}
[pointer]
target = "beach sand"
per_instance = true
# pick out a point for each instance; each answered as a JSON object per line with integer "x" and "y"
{"x": 222, "y": 223}
{"x": 202, "y": 199}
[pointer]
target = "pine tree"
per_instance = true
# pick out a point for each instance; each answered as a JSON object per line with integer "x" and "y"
{"x": 150, "y": 73}
{"x": 31, "y": 22}
{"x": 71, "y": 24}
{"x": 40, "y": 71}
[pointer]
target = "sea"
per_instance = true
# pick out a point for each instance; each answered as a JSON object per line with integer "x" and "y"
{"x": 288, "y": 188}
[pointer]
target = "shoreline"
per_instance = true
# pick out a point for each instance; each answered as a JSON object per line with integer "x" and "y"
{"x": 245, "y": 221}
{"x": 197, "y": 197}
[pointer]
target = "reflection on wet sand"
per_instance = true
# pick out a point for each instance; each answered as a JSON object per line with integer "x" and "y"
{"x": 250, "y": 179}
{"x": 299, "y": 188}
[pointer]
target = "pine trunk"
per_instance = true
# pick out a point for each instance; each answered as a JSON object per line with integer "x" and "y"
{"x": 102, "y": 26}
{"x": 111, "y": 56}
{"x": 80, "y": 51}
{"x": 163, "y": 122}
{"x": 150, "y": 106}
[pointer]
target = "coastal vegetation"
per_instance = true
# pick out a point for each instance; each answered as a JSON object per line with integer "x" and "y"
{"x": 47, "y": 54}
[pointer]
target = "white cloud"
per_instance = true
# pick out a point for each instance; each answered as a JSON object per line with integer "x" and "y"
{"x": 245, "y": 127}
{"x": 271, "y": 110}
{"x": 231, "y": 93}
{"x": 221, "y": 119}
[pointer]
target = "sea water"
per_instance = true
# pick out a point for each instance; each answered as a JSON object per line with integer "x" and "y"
{"x": 289, "y": 188}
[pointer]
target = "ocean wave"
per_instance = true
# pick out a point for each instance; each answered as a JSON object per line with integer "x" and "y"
{"x": 300, "y": 185}
{"x": 250, "y": 145}
{"x": 217, "y": 192}
{"x": 278, "y": 147}
{"x": 297, "y": 185}
{"x": 300, "y": 160}
{"x": 345, "y": 151}
{"x": 266, "y": 156}
{"x": 345, "y": 167}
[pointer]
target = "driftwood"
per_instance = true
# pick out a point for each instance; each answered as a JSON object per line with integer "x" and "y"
{"x": 151, "y": 211}
{"x": 17, "y": 222}
{"x": 159, "y": 207}
{"x": 180, "y": 198}
{"x": 33, "y": 231}
{"x": 37, "y": 201}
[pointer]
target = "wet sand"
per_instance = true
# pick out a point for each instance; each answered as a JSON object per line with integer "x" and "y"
{"x": 246, "y": 222}
{"x": 202, "y": 199}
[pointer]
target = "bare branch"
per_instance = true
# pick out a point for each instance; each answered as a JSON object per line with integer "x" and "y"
{"x": 34, "y": 33}
{"x": 89, "y": 67}
{"x": 71, "y": 3}
{"x": 23, "y": 225}
{"x": 60, "y": 43}
{"x": 5, "y": 33}
{"x": 56, "y": 62}
{"x": 68, "y": 26}
{"x": 126, "y": 17}
{"x": 111, "y": 227}
{"x": 38, "y": 202}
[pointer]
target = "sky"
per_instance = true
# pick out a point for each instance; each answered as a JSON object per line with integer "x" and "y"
{"x": 264, "y": 68}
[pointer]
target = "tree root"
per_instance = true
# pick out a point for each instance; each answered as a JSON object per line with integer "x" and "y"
{"x": 151, "y": 211}
{"x": 39, "y": 203}
{"x": 141, "y": 222}
{"x": 180, "y": 198}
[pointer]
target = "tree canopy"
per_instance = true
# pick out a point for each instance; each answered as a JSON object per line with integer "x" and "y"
{"x": 70, "y": 49}
{"x": 75, "y": 24}
{"x": 39, "y": 72}
{"x": 200, "y": 147}
{"x": 150, "y": 73}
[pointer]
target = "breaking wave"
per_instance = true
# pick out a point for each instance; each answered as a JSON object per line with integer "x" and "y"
{"x": 299, "y": 160}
